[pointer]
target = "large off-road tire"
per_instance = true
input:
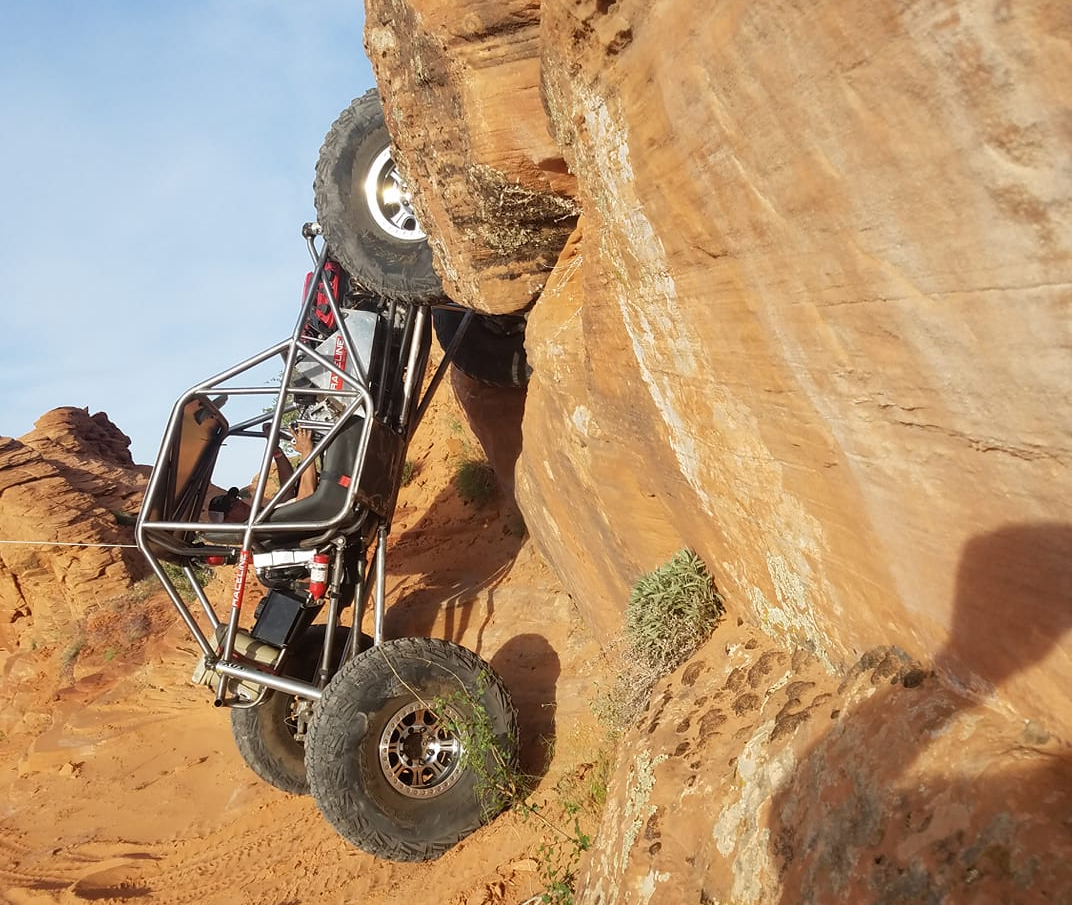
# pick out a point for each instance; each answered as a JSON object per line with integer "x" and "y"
{"x": 265, "y": 733}
{"x": 492, "y": 349}
{"x": 409, "y": 748}
{"x": 364, "y": 208}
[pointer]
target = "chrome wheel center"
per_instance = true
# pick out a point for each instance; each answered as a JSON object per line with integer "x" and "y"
{"x": 389, "y": 200}
{"x": 420, "y": 754}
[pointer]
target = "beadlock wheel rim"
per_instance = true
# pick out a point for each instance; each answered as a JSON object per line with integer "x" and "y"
{"x": 389, "y": 200}
{"x": 420, "y": 755}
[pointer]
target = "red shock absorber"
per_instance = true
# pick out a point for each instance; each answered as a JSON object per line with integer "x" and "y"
{"x": 318, "y": 575}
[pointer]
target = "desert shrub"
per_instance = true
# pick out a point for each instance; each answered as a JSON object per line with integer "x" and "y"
{"x": 499, "y": 781}
{"x": 567, "y": 820}
{"x": 515, "y": 525}
{"x": 125, "y": 519}
{"x": 174, "y": 572}
{"x": 475, "y": 481}
{"x": 620, "y": 704}
{"x": 143, "y": 588}
{"x": 570, "y": 823}
{"x": 672, "y": 610}
{"x": 71, "y": 652}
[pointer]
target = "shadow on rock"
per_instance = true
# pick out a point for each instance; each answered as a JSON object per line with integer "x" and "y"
{"x": 919, "y": 793}
{"x": 457, "y": 565}
{"x": 495, "y": 415}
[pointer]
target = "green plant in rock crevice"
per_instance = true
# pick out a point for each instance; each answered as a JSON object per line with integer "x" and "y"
{"x": 124, "y": 519}
{"x": 71, "y": 652}
{"x": 582, "y": 795}
{"x": 203, "y": 574}
{"x": 474, "y": 477}
{"x": 672, "y": 610}
{"x": 558, "y": 859}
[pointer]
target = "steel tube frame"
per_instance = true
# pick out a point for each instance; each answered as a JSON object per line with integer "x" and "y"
{"x": 356, "y": 394}
{"x": 269, "y": 680}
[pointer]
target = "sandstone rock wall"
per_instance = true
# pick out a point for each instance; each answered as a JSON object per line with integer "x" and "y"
{"x": 827, "y": 253}
{"x": 755, "y": 778}
{"x": 70, "y": 481}
{"x": 814, "y": 322}
{"x": 461, "y": 91}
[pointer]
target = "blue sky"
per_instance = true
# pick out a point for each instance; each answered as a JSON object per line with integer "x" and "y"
{"x": 156, "y": 165}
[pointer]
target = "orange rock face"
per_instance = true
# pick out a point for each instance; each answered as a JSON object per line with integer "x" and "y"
{"x": 461, "y": 95}
{"x": 814, "y": 323}
{"x": 756, "y": 778}
{"x": 70, "y": 481}
{"x": 829, "y": 258}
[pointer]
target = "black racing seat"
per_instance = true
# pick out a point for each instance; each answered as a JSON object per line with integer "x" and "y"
{"x": 327, "y": 501}
{"x": 380, "y": 476}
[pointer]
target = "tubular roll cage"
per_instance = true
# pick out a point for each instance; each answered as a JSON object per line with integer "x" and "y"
{"x": 377, "y": 398}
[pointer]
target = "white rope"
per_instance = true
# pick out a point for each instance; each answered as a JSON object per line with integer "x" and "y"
{"x": 60, "y": 543}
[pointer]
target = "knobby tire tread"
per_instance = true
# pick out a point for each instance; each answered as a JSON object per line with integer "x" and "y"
{"x": 390, "y": 268}
{"x": 492, "y": 357}
{"x": 259, "y": 732}
{"x": 329, "y": 760}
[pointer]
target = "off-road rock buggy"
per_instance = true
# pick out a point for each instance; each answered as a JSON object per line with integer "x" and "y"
{"x": 377, "y": 730}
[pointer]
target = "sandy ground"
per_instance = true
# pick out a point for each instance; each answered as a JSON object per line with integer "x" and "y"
{"x": 121, "y": 782}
